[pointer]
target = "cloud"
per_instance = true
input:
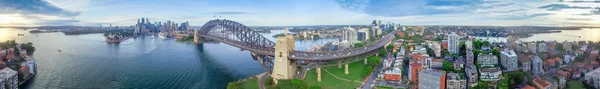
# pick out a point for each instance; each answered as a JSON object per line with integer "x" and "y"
{"x": 399, "y": 8}
{"x": 522, "y": 17}
{"x": 503, "y": 11}
{"x": 579, "y": 19}
{"x": 221, "y": 13}
{"x": 595, "y": 11}
{"x": 33, "y": 7}
{"x": 558, "y": 7}
{"x": 499, "y": 5}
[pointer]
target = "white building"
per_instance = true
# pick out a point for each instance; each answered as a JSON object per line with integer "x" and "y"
{"x": 453, "y": 40}
{"x": 469, "y": 45}
{"x": 437, "y": 48}
{"x": 536, "y": 66}
{"x": 489, "y": 74}
{"x": 509, "y": 60}
{"x": 532, "y": 47}
{"x": 487, "y": 60}
{"x": 593, "y": 78}
{"x": 542, "y": 47}
{"x": 10, "y": 78}
{"x": 344, "y": 44}
{"x": 352, "y": 36}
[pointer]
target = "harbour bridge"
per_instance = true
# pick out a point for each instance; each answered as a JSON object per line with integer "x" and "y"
{"x": 279, "y": 57}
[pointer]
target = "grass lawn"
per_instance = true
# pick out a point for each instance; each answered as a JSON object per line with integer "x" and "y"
{"x": 383, "y": 87}
{"x": 330, "y": 82}
{"x": 574, "y": 84}
{"x": 250, "y": 83}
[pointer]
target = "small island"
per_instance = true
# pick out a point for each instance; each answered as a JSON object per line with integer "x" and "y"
{"x": 18, "y": 64}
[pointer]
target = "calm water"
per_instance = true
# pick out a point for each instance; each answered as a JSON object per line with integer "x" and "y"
{"x": 587, "y": 34}
{"x": 87, "y": 61}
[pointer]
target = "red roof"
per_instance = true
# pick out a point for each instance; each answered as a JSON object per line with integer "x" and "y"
{"x": 540, "y": 82}
{"x": 445, "y": 45}
{"x": 24, "y": 68}
{"x": 589, "y": 66}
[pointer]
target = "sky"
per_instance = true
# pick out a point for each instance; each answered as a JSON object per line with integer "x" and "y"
{"x": 302, "y": 12}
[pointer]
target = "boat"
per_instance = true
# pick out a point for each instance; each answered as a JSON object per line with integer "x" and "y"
{"x": 163, "y": 35}
{"x": 21, "y": 34}
{"x": 58, "y": 50}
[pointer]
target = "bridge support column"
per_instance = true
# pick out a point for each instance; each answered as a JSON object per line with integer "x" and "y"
{"x": 346, "y": 69}
{"x": 365, "y": 61}
{"x": 340, "y": 64}
{"x": 197, "y": 38}
{"x": 318, "y": 73}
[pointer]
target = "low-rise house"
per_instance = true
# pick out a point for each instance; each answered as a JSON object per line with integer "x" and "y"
{"x": 489, "y": 74}
{"x": 459, "y": 63}
{"x": 558, "y": 61}
{"x": 541, "y": 84}
{"x": 576, "y": 74}
{"x": 394, "y": 74}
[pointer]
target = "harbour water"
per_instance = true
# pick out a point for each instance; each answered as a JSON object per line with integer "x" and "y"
{"x": 587, "y": 34}
{"x": 88, "y": 62}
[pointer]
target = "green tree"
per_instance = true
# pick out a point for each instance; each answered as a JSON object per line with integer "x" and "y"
{"x": 496, "y": 52}
{"x": 448, "y": 66}
{"x": 233, "y": 85}
{"x": 390, "y": 46}
{"x": 356, "y": 45}
{"x": 268, "y": 81}
{"x": 28, "y": 47}
{"x": 291, "y": 84}
{"x": 382, "y": 53}
{"x": 314, "y": 87}
{"x": 430, "y": 52}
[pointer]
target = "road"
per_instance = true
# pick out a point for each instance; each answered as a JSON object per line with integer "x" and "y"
{"x": 371, "y": 82}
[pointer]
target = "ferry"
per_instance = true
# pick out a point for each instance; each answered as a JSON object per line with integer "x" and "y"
{"x": 21, "y": 34}
{"x": 163, "y": 35}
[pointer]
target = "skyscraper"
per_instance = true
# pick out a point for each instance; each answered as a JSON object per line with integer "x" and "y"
{"x": 453, "y": 40}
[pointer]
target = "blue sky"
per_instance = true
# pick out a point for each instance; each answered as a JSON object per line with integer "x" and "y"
{"x": 301, "y": 12}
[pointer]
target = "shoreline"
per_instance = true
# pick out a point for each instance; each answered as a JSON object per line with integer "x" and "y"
{"x": 117, "y": 41}
{"x": 29, "y": 77}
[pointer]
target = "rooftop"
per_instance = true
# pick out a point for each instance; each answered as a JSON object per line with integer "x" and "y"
{"x": 541, "y": 82}
{"x": 7, "y": 73}
{"x": 593, "y": 73}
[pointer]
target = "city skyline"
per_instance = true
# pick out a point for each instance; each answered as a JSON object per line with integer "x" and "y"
{"x": 301, "y": 13}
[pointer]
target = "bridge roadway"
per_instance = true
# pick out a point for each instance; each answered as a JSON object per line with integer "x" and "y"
{"x": 323, "y": 56}
{"x": 312, "y": 56}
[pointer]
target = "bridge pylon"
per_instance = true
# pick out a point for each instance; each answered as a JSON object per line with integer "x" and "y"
{"x": 197, "y": 38}
{"x": 283, "y": 68}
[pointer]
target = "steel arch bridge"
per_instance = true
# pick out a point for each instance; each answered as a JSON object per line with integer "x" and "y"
{"x": 241, "y": 36}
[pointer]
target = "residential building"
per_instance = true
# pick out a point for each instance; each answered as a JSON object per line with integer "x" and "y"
{"x": 432, "y": 79}
{"x": 525, "y": 62}
{"x": 567, "y": 46}
{"x": 558, "y": 61}
{"x": 453, "y": 46}
{"x": 542, "y": 47}
{"x": 593, "y": 77}
{"x": 541, "y": 84}
{"x": 10, "y": 78}
{"x": 532, "y": 47}
{"x": 470, "y": 58}
{"x": 536, "y": 66}
{"x": 437, "y": 48}
{"x": 413, "y": 74}
{"x": 469, "y": 45}
{"x": 455, "y": 81}
{"x": 489, "y": 74}
{"x": 472, "y": 75}
{"x": 394, "y": 74}
{"x": 362, "y": 36}
{"x": 509, "y": 60}
{"x": 459, "y": 63}
{"x": 487, "y": 60}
